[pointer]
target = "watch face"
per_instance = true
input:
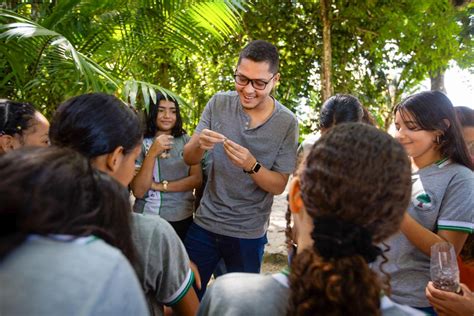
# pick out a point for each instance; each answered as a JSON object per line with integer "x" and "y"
{"x": 256, "y": 167}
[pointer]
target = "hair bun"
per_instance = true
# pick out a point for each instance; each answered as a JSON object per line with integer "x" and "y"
{"x": 335, "y": 238}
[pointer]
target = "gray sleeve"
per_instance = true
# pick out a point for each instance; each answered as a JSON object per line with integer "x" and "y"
{"x": 122, "y": 294}
{"x": 216, "y": 302}
{"x": 457, "y": 208}
{"x": 205, "y": 121}
{"x": 141, "y": 157}
{"x": 286, "y": 158}
{"x": 174, "y": 278}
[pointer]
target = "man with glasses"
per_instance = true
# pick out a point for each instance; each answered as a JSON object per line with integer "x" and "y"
{"x": 252, "y": 139}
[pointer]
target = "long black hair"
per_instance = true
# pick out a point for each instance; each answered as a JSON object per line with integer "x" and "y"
{"x": 151, "y": 128}
{"x": 57, "y": 191}
{"x": 433, "y": 111}
{"x": 95, "y": 124}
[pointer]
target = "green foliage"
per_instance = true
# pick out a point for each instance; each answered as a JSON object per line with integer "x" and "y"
{"x": 381, "y": 50}
{"x": 51, "y": 51}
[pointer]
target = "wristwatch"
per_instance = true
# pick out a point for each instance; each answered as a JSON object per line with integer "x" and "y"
{"x": 165, "y": 185}
{"x": 254, "y": 169}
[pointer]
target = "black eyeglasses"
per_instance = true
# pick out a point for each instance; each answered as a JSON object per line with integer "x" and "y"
{"x": 258, "y": 84}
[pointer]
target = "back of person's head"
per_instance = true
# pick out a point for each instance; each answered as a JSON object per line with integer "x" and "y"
{"x": 465, "y": 116}
{"x": 56, "y": 191}
{"x": 355, "y": 186}
{"x": 18, "y": 120}
{"x": 95, "y": 124}
{"x": 341, "y": 108}
{"x": 152, "y": 128}
{"x": 433, "y": 111}
{"x": 261, "y": 51}
{"x": 368, "y": 118}
{"x": 15, "y": 117}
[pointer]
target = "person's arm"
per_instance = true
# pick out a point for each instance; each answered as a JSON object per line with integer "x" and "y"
{"x": 193, "y": 181}
{"x": 199, "y": 143}
{"x": 143, "y": 180}
{"x": 268, "y": 180}
{"x": 188, "y": 305}
{"x": 452, "y": 304}
{"x": 423, "y": 238}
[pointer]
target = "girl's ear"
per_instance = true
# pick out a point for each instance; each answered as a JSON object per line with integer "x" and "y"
{"x": 7, "y": 143}
{"x": 294, "y": 196}
{"x": 113, "y": 160}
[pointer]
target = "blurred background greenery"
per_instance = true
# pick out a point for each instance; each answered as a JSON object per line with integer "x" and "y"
{"x": 379, "y": 50}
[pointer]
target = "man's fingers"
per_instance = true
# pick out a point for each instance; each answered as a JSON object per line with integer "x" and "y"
{"x": 232, "y": 156}
{"x": 215, "y": 136}
{"x": 228, "y": 147}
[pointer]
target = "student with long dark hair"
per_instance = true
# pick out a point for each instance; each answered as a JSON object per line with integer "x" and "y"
{"x": 108, "y": 132}
{"x": 21, "y": 125}
{"x": 60, "y": 219}
{"x": 340, "y": 108}
{"x": 442, "y": 194}
{"x": 164, "y": 184}
{"x": 341, "y": 210}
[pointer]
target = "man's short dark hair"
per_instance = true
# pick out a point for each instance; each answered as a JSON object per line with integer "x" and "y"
{"x": 261, "y": 51}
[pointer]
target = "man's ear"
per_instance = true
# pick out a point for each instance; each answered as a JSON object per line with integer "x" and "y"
{"x": 7, "y": 143}
{"x": 294, "y": 196}
{"x": 113, "y": 160}
{"x": 277, "y": 77}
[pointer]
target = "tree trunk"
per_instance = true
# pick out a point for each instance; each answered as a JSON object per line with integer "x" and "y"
{"x": 437, "y": 81}
{"x": 326, "y": 73}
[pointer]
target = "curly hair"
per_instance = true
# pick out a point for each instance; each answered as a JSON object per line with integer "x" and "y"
{"x": 362, "y": 176}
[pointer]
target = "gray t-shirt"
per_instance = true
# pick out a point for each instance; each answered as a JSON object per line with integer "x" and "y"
{"x": 163, "y": 264}
{"x": 172, "y": 206}
{"x": 442, "y": 199}
{"x": 245, "y": 294}
{"x": 45, "y": 276}
{"x": 233, "y": 204}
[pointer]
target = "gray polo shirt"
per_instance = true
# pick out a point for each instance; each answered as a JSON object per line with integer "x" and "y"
{"x": 442, "y": 199}
{"x": 162, "y": 262}
{"x": 84, "y": 276}
{"x": 232, "y": 204}
{"x": 172, "y": 206}
{"x": 245, "y": 294}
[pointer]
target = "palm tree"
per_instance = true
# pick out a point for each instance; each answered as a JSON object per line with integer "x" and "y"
{"x": 51, "y": 51}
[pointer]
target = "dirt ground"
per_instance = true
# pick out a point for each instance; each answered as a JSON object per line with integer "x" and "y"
{"x": 275, "y": 257}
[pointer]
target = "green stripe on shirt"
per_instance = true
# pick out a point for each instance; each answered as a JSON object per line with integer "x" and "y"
{"x": 456, "y": 228}
{"x": 185, "y": 290}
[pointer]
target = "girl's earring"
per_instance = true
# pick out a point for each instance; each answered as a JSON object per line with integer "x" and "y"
{"x": 438, "y": 139}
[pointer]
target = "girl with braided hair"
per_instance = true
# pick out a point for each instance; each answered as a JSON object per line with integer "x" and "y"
{"x": 342, "y": 206}
{"x": 21, "y": 125}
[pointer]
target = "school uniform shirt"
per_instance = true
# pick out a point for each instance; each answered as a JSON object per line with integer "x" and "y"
{"x": 244, "y": 294}
{"x": 66, "y": 276}
{"x": 163, "y": 264}
{"x": 172, "y": 206}
{"x": 442, "y": 199}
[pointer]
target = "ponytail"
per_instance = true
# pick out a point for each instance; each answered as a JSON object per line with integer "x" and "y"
{"x": 324, "y": 279}
{"x": 344, "y": 286}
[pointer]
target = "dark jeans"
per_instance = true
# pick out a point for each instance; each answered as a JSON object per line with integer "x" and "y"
{"x": 181, "y": 227}
{"x": 206, "y": 249}
{"x": 427, "y": 310}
